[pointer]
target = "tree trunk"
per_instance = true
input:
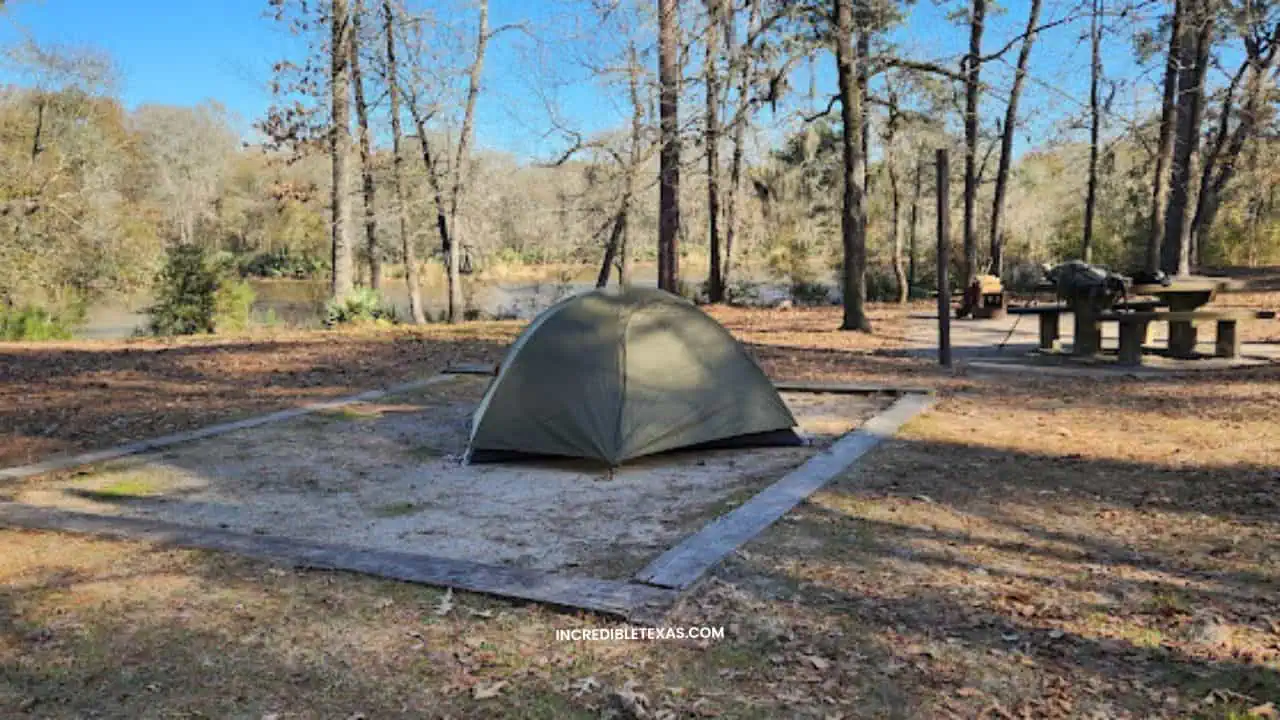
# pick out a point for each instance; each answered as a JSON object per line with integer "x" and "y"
{"x": 1006, "y": 141}
{"x": 411, "y": 279}
{"x": 460, "y": 162}
{"x": 715, "y": 277}
{"x": 433, "y": 180}
{"x": 633, "y": 159}
{"x": 35, "y": 141}
{"x": 366, "y": 153}
{"x": 669, "y": 157}
{"x": 618, "y": 229}
{"x": 1175, "y": 253}
{"x": 853, "y": 214}
{"x": 743, "y": 65}
{"x": 911, "y": 230}
{"x": 864, "y": 98}
{"x": 972, "y": 90}
{"x": 1095, "y": 121}
{"x": 340, "y": 150}
{"x": 1164, "y": 151}
{"x": 895, "y": 197}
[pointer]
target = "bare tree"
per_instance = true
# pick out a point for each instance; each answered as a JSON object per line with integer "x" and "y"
{"x": 743, "y": 65}
{"x": 1164, "y": 151}
{"x": 448, "y": 180}
{"x": 853, "y": 213}
{"x": 1008, "y": 131}
{"x": 972, "y": 91}
{"x": 635, "y": 157}
{"x": 914, "y": 223}
{"x": 1261, "y": 41}
{"x": 461, "y": 162}
{"x": 366, "y": 152}
{"x": 715, "y": 279}
{"x": 412, "y": 281}
{"x": 895, "y": 195}
{"x": 340, "y": 150}
{"x": 669, "y": 158}
{"x": 1095, "y": 123}
{"x": 616, "y": 251}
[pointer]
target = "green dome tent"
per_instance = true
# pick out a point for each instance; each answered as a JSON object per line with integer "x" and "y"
{"x": 614, "y": 375}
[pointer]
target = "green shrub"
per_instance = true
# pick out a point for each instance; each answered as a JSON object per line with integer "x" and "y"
{"x": 283, "y": 264}
{"x": 233, "y": 305}
{"x": 742, "y": 292}
{"x": 37, "y": 323}
{"x": 882, "y": 285}
{"x": 197, "y": 292}
{"x": 364, "y": 305}
{"x": 806, "y": 292}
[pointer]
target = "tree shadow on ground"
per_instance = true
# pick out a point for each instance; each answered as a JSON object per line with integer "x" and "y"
{"x": 971, "y": 575}
{"x": 57, "y": 400}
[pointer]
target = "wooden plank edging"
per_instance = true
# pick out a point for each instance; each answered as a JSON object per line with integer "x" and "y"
{"x": 847, "y": 388}
{"x": 134, "y": 448}
{"x": 628, "y": 600}
{"x": 684, "y": 564}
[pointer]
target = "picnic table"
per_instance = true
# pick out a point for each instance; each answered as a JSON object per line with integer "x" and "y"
{"x": 1179, "y": 304}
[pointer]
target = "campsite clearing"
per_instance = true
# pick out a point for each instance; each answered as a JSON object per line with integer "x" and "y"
{"x": 388, "y": 475}
{"x": 1042, "y": 546}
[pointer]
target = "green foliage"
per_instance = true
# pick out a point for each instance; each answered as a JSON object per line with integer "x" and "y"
{"x": 197, "y": 292}
{"x": 882, "y": 285}
{"x": 742, "y": 292}
{"x": 36, "y": 323}
{"x": 233, "y": 305}
{"x": 364, "y": 305}
{"x": 284, "y": 264}
{"x": 807, "y": 292}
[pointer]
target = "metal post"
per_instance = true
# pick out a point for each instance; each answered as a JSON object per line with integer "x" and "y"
{"x": 944, "y": 257}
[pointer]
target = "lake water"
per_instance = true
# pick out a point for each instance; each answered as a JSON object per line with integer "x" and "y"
{"x": 300, "y": 303}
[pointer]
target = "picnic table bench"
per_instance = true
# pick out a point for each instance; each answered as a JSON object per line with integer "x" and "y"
{"x": 1133, "y": 331}
{"x": 1049, "y": 317}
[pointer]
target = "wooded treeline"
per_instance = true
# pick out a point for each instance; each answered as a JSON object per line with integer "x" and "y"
{"x": 719, "y": 152}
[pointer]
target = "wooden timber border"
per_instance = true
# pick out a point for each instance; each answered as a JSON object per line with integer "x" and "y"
{"x": 644, "y": 598}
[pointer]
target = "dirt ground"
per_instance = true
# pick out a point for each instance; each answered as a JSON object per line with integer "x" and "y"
{"x": 389, "y": 475}
{"x": 64, "y": 397}
{"x": 1034, "y": 547}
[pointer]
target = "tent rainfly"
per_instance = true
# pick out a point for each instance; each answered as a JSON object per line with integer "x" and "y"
{"x": 614, "y": 375}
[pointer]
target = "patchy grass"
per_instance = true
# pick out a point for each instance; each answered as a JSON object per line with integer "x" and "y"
{"x": 129, "y": 487}
{"x": 351, "y": 413}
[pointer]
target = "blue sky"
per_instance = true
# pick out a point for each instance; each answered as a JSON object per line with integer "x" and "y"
{"x": 176, "y": 52}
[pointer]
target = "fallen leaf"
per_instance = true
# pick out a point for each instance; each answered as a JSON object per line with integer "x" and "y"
{"x": 584, "y": 686}
{"x": 484, "y": 692}
{"x": 1265, "y": 710}
{"x": 446, "y": 603}
{"x": 817, "y": 662}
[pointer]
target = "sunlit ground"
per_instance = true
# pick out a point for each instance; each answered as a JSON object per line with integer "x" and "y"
{"x": 1033, "y": 547}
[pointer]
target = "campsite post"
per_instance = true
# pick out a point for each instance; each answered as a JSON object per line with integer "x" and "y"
{"x": 944, "y": 259}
